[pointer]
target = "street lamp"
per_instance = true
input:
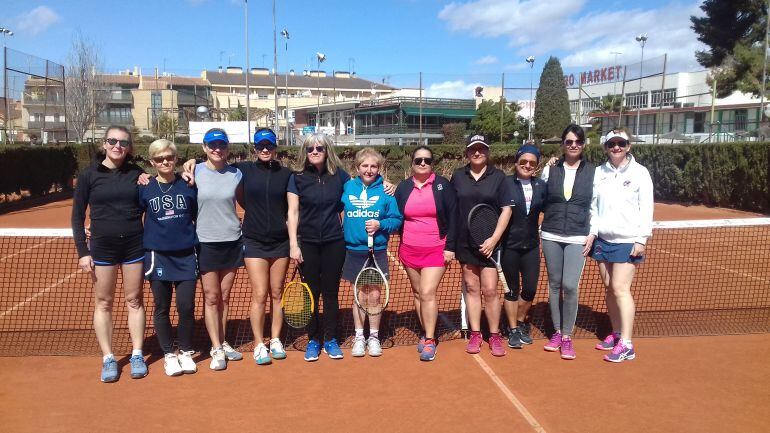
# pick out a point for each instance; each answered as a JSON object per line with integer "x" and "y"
{"x": 642, "y": 39}
{"x": 246, "y": 36}
{"x": 320, "y": 57}
{"x": 285, "y": 34}
{"x": 6, "y": 32}
{"x": 275, "y": 74}
{"x": 531, "y": 61}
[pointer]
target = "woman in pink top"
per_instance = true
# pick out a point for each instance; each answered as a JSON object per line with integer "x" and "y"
{"x": 427, "y": 202}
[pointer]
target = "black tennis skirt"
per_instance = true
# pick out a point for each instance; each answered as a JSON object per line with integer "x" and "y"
{"x": 215, "y": 256}
{"x": 257, "y": 249}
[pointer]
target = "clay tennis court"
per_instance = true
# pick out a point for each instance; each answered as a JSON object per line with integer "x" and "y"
{"x": 697, "y": 383}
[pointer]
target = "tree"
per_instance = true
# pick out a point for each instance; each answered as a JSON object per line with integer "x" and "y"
{"x": 734, "y": 31}
{"x": 487, "y": 120}
{"x": 552, "y": 103}
{"x": 454, "y": 133}
{"x": 84, "y": 86}
{"x": 165, "y": 126}
{"x": 237, "y": 113}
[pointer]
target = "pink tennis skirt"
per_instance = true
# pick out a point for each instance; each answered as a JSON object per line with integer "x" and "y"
{"x": 418, "y": 257}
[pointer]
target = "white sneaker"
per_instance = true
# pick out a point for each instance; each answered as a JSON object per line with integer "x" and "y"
{"x": 171, "y": 365}
{"x": 186, "y": 362}
{"x": 230, "y": 353}
{"x": 276, "y": 349}
{"x": 359, "y": 347}
{"x": 218, "y": 360}
{"x": 373, "y": 346}
{"x": 260, "y": 355}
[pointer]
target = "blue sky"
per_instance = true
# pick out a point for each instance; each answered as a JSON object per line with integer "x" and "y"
{"x": 456, "y": 44}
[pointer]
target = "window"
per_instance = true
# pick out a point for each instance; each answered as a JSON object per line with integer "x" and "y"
{"x": 741, "y": 116}
{"x": 636, "y": 100}
{"x": 699, "y": 124}
{"x": 669, "y": 97}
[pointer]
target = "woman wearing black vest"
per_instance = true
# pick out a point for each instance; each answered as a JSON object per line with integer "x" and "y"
{"x": 565, "y": 230}
{"x": 521, "y": 255}
{"x": 316, "y": 241}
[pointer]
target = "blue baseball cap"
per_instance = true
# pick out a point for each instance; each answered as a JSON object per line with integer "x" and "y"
{"x": 265, "y": 137}
{"x": 215, "y": 134}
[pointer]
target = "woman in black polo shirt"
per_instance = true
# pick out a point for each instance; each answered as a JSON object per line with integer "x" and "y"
{"x": 565, "y": 229}
{"x": 521, "y": 255}
{"x": 108, "y": 189}
{"x": 316, "y": 240}
{"x": 480, "y": 182}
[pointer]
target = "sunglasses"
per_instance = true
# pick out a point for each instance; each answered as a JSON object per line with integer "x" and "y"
{"x": 620, "y": 143}
{"x": 577, "y": 142}
{"x": 525, "y": 163}
{"x": 426, "y": 160}
{"x": 319, "y": 149}
{"x": 217, "y": 145}
{"x": 161, "y": 159}
{"x": 114, "y": 141}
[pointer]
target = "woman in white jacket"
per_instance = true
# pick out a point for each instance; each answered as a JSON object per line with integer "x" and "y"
{"x": 621, "y": 223}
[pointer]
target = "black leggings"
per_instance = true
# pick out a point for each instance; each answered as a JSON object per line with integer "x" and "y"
{"x": 526, "y": 263}
{"x": 321, "y": 269}
{"x": 185, "y": 307}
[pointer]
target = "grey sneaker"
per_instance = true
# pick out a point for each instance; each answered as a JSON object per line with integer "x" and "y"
{"x": 373, "y": 346}
{"x": 514, "y": 338}
{"x": 218, "y": 359}
{"x": 524, "y": 333}
{"x": 230, "y": 353}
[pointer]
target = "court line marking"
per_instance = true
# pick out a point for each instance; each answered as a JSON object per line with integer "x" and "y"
{"x": 509, "y": 395}
{"x": 4, "y": 258}
{"x": 38, "y": 294}
{"x": 711, "y": 264}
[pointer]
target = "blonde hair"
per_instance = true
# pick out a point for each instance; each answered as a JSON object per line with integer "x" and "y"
{"x": 332, "y": 160}
{"x": 369, "y": 152}
{"x": 161, "y": 145}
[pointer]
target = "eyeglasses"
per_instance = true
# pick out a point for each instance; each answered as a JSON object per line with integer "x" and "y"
{"x": 620, "y": 143}
{"x": 426, "y": 160}
{"x": 319, "y": 149}
{"x": 576, "y": 142}
{"x": 160, "y": 159}
{"x": 114, "y": 141}
{"x": 526, "y": 163}
{"x": 221, "y": 145}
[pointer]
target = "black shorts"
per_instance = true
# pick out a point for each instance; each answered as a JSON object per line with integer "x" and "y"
{"x": 214, "y": 256}
{"x": 469, "y": 256}
{"x": 117, "y": 250}
{"x": 171, "y": 265}
{"x": 257, "y": 249}
{"x": 354, "y": 262}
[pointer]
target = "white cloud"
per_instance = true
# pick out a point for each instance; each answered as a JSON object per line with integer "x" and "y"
{"x": 451, "y": 89}
{"x": 486, "y": 60}
{"x": 37, "y": 20}
{"x": 544, "y": 28}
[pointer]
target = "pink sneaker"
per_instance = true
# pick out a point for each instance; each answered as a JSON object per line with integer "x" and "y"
{"x": 567, "y": 351}
{"x": 608, "y": 343}
{"x": 496, "y": 345}
{"x": 554, "y": 344}
{"x": 474, "y": 343}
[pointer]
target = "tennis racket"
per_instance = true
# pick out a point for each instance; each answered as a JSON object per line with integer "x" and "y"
{"x": 482, "y": 221}
{"x": 371, "y": 289}
{"x": 297, "y": 302}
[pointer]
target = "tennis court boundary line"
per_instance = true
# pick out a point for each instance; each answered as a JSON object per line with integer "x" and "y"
{"x": 38, "y": 294}
{"x": 509, "y": 395}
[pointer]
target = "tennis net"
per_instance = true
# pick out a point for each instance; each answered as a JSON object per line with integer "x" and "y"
{"x": 699, "y": 278}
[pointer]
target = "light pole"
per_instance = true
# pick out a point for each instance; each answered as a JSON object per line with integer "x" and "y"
{"x": 6, "y": 32}
{"x": 764, "y": 70}
{"x": 285, "y": 34}
{"x": 248, "y": 105}
{"x": 615, "y": 84}
{"x": 531, "y": 61}
{"x": 320, "y": 57}
{"x": 642, "y": 39}
{"x": 275, "y": 74}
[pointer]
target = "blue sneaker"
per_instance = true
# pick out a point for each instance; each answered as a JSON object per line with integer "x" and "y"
{"x": 138, "y": 367}
{"x": 110, "y": 371}
{"x": 333, "y": 349}
{"x": 312, "y": 351}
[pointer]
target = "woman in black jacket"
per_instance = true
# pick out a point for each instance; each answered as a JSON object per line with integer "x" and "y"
{"x": 521, "y": 252}
{"x": 428, "y": 204}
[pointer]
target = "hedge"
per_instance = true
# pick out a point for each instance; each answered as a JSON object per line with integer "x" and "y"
{"x": 733, "y": 175}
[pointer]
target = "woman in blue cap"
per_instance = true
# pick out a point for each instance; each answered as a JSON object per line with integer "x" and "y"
{"x": 521, "y": 252}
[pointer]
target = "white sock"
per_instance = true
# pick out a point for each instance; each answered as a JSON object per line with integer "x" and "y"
{"x": 108, "y": 356}
{"x": 628, "y": 343}
{"x": 275, "y": 340}
{"x": 136, "y": 352}
{"x": 374, "y": 333}
{"x": 360, "y": 332}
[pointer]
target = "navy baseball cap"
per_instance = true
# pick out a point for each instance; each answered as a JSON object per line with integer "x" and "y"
{"x": 215, "y": 134}
{"x": 476, "y": 139}
{"x": 265, "y": 137}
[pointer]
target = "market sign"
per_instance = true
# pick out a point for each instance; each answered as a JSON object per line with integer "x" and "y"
{"x": 607, "y": 74}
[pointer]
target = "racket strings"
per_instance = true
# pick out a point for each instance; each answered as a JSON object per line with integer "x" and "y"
{"x": 297, "y": 303}
{"x": 371, "y": 290}
{"x": 481, "y": 225}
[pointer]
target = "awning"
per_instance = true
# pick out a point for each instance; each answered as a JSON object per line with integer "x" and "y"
{"x": 360, "y": 113}
{"x": 456, "y": 113}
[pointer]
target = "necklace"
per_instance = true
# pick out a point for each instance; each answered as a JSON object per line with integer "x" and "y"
{"x": 160, "y": 187}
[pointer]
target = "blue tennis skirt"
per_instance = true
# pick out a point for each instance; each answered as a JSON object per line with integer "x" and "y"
{"x": 179, "y": 265}
{"x": 354, "y": 262}
{"x": 604, "y": 251}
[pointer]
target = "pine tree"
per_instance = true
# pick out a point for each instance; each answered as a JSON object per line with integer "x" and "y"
{"x": 487, "y": 121}
{"x": 552, "y": 103}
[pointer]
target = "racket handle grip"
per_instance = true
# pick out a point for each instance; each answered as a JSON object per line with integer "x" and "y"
{"x": 370, "y": 241}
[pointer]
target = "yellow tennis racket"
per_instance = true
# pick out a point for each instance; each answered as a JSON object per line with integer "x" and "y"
{"x": 297, "y": 302}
